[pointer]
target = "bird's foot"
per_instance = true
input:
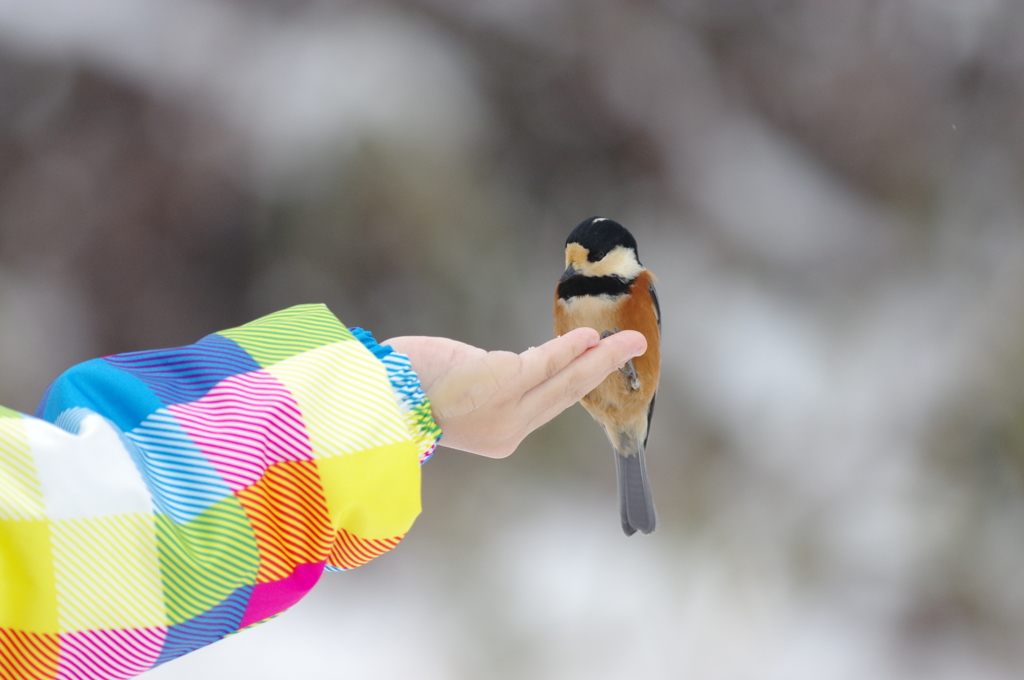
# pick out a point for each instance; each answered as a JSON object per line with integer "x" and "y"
{"x": 630, "y": 373}
{"x": 627, "y": 370}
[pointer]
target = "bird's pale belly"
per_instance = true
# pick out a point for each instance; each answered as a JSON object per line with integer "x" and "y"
{"x": 588, "y": 310}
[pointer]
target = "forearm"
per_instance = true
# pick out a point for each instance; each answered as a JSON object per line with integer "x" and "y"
{"x": 161, "y": 500}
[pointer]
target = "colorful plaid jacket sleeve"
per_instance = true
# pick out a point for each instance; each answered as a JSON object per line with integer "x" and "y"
{"x": 161, "y": 500}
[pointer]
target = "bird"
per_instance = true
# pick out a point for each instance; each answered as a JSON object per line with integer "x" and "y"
{"x": 605, "y": 287}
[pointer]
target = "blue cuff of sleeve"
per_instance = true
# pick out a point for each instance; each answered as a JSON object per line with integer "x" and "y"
{"x": 409, "y": 394}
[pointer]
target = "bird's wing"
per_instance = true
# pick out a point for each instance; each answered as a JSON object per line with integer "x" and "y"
{"x": 657, "y": 306}
{"x": 657, "y": 312}
{"x": 650, "y": 414}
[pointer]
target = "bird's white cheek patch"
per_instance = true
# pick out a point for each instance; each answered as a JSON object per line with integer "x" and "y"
{"x": 619, "y": 262}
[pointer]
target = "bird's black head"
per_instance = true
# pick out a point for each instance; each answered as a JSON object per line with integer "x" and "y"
{"x": 599, "y": 236}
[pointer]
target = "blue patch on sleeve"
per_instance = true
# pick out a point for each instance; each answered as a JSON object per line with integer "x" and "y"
{"x": 96, "y": 385}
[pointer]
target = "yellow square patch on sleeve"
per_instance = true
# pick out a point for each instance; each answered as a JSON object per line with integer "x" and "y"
{"x": 345, "y": 397}
{"x": 28, "y": 594}
{"x": 107, "y": 573}
{"x": 374, "y": 494}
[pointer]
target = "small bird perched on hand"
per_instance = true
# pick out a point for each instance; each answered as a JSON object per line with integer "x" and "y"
{"x": 605, "y": 287}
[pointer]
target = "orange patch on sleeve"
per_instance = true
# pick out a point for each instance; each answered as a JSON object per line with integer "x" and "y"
{"x": 289, "y": 518}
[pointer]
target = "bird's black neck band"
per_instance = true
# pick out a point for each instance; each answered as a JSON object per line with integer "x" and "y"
{"x": 592, "y": 285}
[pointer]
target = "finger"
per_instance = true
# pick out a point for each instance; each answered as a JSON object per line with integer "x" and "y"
{"x": 545, "y": 362}
{"x": 581, "y": 376}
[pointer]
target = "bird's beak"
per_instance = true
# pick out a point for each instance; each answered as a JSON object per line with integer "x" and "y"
{"x": 569, "y": 272}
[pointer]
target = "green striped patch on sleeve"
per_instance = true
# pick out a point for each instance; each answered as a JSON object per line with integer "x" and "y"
{"x": 291, "y": 331}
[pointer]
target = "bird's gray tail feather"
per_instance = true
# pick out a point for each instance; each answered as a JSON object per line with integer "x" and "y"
{"x": 635, "y": 501}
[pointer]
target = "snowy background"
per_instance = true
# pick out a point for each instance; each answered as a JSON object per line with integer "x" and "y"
{"x": 832, "y": 196}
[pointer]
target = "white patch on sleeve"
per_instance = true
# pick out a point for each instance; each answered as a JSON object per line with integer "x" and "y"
{"x": 87, "y": 474}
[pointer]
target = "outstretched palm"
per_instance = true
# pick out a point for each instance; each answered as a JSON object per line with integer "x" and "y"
{"x": 487, "y": 402}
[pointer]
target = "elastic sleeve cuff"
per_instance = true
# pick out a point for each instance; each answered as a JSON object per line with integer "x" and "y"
{"x": 412, "y": 400}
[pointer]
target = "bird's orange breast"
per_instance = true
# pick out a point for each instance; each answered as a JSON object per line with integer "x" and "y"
{"x": 614, "y": 403}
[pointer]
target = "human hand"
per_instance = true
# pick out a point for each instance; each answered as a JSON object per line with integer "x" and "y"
{"x": 487, "y": 402}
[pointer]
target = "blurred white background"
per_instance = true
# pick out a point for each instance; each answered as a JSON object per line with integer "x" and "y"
{"x": 830, "y": 194}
